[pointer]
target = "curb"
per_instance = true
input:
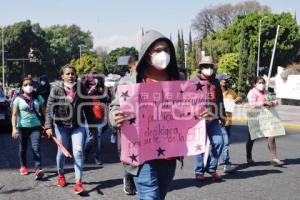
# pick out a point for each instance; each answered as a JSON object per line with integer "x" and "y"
{"x": 286, "y": 125}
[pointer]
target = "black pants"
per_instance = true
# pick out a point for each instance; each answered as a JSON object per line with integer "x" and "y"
{"x": 271, "y": 146}
{"x": 249, "y": 146}
{"x": 35, "y": 137}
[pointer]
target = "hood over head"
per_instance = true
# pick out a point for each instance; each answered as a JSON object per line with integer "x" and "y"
{"x": 148, "y": 40}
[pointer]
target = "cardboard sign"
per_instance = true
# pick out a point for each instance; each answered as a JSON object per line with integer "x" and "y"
{"x": 162, "y": 120}
{"x": 264, "y": 122}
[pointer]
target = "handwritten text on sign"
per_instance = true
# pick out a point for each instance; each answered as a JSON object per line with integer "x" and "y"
{"x": 264, "y": 122}
{"x": 162, "y": 120}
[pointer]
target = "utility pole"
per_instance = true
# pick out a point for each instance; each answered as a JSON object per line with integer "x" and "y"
{"x": 272, "y": 59}
{"x": 3, "y": 63}
{"x": 80, "y": 51}
{"x": 258, "y": 49}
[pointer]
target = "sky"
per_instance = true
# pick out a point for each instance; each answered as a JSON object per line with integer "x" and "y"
{"x": 116, "y": 23}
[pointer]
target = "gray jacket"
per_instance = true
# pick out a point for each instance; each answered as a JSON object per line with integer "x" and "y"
{"x": 61, "y": 111}
{"x": 137, "y": 77}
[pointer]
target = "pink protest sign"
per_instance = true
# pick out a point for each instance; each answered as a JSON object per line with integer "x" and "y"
{"x": 162, "y": 120}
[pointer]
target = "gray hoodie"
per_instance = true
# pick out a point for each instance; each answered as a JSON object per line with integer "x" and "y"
{"x": 148, "y": 40}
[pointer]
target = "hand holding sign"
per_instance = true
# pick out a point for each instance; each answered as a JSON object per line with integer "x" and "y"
{"x": 162, "y": 120}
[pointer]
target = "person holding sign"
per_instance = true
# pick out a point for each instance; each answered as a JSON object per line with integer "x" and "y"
{"x": 157, "y": 62}
{"x": 214, "y": 114}
{"x": 65, "y": 119}
{"x": 258, "y": 98}
{"x": 230, "y": 99}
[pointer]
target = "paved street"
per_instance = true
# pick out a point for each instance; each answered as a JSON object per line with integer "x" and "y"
{"x": 262, "y": 181}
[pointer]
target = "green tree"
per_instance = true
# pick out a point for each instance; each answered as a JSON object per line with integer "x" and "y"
{"x": 179, "y": 50}
{"x": 112, "y": 57}
{"x": 87, "y": 62}
{"x": 229, "y": 65}
{"x": 216, "y": 48}
{"x": 191, "y": 55}
{"x": 19, "y": 38}
{"x": 251, "y": 68}
{"x": 101, "y": 55}
{"x": 243, "y": 61}
{"x": 288, "y": 39}
{"x": 64, "y": 43}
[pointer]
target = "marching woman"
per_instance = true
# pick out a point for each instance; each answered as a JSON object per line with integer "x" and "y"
{"x": 157, "y": 62}
{"x": 258, "y": 98}
{"x": 65, "y": 116}
{"x": 26, "y": 123}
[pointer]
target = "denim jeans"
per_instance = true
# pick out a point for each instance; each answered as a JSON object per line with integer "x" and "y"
{"x": 35, "y": 137}
{"x": 154, "y": 178}
{"x": 214, "y": 133}
{"x": 97, "y": 142}
{"x": 226, "y": 131}
{"x": 77, "y": 136}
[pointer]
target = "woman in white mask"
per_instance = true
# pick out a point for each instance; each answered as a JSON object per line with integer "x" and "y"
{"x": 28, "y": 108}
{"x": 157, "y": 62}
{"x": 257, "y": 98}
{"x": 65, "y": 116}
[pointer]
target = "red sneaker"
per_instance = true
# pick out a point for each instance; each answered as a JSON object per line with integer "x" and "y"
{"x": 38, "y": 174}
{"x": 24, "y": 170}
{"x": 216, "y": 176}
{"x": 61, "y": 181}
{"x": 200, "y": 177}
{"x": 78, "y": 188}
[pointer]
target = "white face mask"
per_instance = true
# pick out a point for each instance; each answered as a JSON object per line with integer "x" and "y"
{"x": 43, "y": 83}
{"x": 260, "y": 86}
{"x": 96, "y": 81}
{"x": 28, "y": 89}
{"x": 160, "y": 60}
{"x": 207, "y": 71}
{"x": 69, "y": 85}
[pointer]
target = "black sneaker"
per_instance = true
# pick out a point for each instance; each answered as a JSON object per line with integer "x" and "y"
{"x": 128, "y": 185}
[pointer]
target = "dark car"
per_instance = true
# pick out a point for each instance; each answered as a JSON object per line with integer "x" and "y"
{"x": 5, "y": 112}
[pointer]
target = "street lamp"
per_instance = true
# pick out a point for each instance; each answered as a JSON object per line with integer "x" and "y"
{"x": 80, "y": 51}
{"x": 258, "y": 48}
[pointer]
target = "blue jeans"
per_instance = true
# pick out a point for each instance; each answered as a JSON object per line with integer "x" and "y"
{"x": 97, "y": 142}
{"x": 77, "y": 136}
{"x": 93, "y": 142}
{"x": 35, "y": 137}
{"x": 226, "y": 131}
{"x": 214, "y": 133}
{"x": 154, "y": 178}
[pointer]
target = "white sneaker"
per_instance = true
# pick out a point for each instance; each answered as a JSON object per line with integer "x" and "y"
{"x": 228, "y": 168}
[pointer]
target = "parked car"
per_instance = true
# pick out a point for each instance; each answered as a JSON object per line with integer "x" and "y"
{"x": 5, "y": 112}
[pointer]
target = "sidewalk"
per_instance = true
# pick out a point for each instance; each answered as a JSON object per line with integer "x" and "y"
{"x": 290, "y": 115}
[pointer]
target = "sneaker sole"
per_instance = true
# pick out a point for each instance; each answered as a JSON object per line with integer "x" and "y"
{"x": 127, "y": 193}
{"x": 61, "y": 185}
{"x": 79, "y": 192}
{"x": 24, "y": 174}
